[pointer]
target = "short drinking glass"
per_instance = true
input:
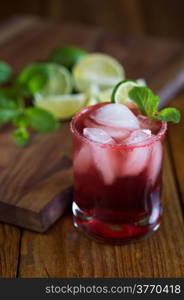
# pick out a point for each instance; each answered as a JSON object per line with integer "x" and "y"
{"x": 117, "y": 185}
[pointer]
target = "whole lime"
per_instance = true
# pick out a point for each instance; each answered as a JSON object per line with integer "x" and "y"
{"x": 67, "y": 55}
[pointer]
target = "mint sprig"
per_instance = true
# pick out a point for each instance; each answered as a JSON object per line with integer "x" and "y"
{"x": 12, "y": 109}
{"x": 147, "y": 102}
{"x": 12, "y": 102}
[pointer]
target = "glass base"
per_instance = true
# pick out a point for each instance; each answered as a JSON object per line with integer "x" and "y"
{"x": 111, "y": 232}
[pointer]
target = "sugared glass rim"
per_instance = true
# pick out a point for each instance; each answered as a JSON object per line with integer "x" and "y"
{"x": 147, "y": 142}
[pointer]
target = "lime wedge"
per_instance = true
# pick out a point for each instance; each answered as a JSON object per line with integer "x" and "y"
{"x": 66, "y": 55}
{"x": 121, "y": 90}
{"x": 97, "y": 69}
{"x": 45, "y": 78}
{"x": 61, "y": 106}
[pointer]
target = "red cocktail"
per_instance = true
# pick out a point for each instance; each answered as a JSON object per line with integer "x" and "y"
{"x": 117, "y": 172}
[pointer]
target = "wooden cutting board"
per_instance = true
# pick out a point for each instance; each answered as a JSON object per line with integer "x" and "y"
{"x": 36, "y": 181}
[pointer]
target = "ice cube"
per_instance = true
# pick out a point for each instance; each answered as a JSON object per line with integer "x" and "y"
{"x": 116, "y": 115}
{"x": 106, "y": 163}
{"x": 118, "y": 134}
{"x": 138, "y": 136}
{"x": 134, "y": 161}
{"x": 155, "y": 161}
{"x": 82, "y": 159}
{"x": 102, "y": 158}
{"x": 98, "y": 135}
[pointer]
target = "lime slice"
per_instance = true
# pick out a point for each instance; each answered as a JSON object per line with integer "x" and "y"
{"x": 97, "y": 69}
{"x": 67, "y": 55}
{"x": 121, "y": 90}
{"x": 45, "y": 78}
{"x": 59, "y": 80}
{"x": 61, "y": 106}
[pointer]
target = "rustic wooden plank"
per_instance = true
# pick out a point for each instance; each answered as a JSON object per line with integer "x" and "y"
{"x": 12, "y": 51}
{"x": 32, "y": 182}
{"x": 107, "y": 14}
{"x": 8, "y": 149}
{"x": 151, "y": 14}
{"x": 141, "y": 57}
{"x": 127, "y": 9}
{"x": 15, "y": 26}
{"x": 175, "y": 136}
{"x": 38, "y": 42}
{"x": 71, "y": 254}
{"x": 10, "y": 236}
{"x": 9, "y": 250}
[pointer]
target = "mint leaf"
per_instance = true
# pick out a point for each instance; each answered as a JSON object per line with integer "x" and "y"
{"x": 10, "y": 98}
{"x": 20, "y": 121}
{"x": 21, "y": 136}
{"x": 33, "y": 78}
{"x": 169, "y": 114}
{"x": 5, "y": 72}
{"x": 37, "y": 82}
{"x": 10, "y": 105}
{"x": 8, "y": 114}
{"x": 146, "y": 101}
{"x": 41, "y": 120}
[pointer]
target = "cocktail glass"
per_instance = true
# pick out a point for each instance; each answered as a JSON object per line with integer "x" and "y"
{"x": 117, "y": 187}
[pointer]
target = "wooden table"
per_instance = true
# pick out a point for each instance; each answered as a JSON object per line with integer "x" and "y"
{"x": 62, "y": 251}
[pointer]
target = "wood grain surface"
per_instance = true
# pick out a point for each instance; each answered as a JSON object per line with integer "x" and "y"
{"x": 78, "y": 256}
{"x": 127, "y": 16}
{"x": 62, "y": 251}
{"x": 33, "y": 182}
{"x": 176, "y": 146}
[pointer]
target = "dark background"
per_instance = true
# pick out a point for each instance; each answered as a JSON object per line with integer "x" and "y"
{"x": 143, "y": 17}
